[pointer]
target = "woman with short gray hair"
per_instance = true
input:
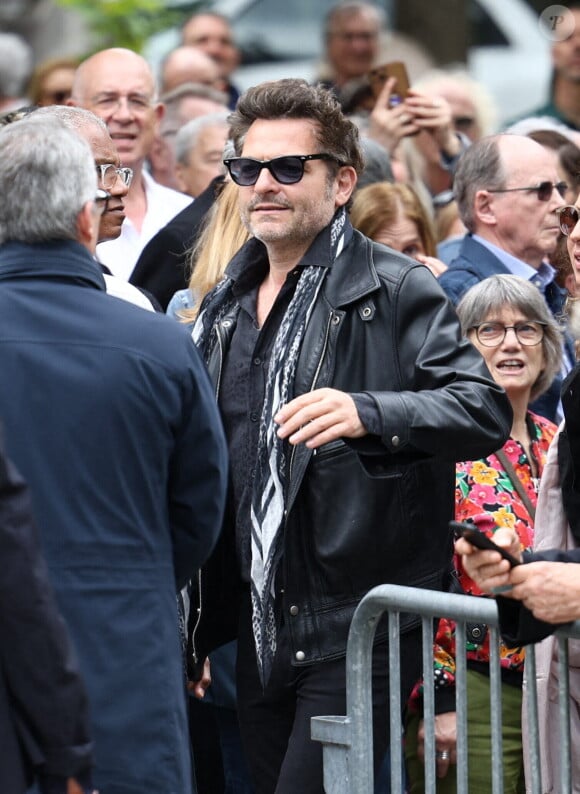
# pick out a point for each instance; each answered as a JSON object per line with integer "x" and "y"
{"x": 507, "y": 320}
{"x": 495, "y": 293}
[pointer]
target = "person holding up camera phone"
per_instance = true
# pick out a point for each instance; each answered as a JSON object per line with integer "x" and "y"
{"x": 400, "y": 111}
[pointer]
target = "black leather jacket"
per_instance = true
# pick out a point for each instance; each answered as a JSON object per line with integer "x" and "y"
{"x": 376, "y": 510}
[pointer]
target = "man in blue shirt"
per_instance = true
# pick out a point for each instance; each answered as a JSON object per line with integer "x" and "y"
{"x": 507, "y": 190}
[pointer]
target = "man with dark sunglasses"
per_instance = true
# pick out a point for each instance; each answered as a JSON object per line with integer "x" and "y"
{"x": 508, "y": 192}
{"x": 341, "y": 375}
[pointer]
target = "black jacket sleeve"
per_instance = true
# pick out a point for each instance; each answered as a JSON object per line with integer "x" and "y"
{"x": 37, "y": 664}
{"x": 518, "y": 625}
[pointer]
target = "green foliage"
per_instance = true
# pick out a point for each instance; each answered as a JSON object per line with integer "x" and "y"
{"x": 129, "y": 23}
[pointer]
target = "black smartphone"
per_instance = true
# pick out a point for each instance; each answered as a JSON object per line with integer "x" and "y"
{"x": 480, "y": 540}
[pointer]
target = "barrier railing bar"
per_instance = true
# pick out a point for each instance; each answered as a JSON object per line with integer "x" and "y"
{"x": 532, "y": 714}
{"x": 395, "y": 737}
{"x": 347, "y": 740}
{"x": 461, "y": 709}
{"x": 428, "y": 707}
{"x": 564, "y": 715}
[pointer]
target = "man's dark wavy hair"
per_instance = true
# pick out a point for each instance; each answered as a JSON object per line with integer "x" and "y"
{"x": 297, "y": 99}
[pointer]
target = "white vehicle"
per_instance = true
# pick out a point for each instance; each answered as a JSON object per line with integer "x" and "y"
{"x": 509, "y": 55}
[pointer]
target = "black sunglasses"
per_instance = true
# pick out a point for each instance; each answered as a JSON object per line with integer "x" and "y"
{"x": 568, "y": 217}
{"x": 287, "y": 170}
{"x": 544, "y": 189}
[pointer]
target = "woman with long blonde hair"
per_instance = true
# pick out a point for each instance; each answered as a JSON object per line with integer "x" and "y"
{"x": 222, "y": 236}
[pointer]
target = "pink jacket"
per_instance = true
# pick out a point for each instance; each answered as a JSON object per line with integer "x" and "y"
{"x": 552, "y": 532}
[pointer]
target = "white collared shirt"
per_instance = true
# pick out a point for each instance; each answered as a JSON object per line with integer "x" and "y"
{"x": 163, "y": 204}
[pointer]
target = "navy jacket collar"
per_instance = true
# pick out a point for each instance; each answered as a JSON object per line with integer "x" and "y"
{"x": 352, "y": 273}
{"x": 64, "y": 260}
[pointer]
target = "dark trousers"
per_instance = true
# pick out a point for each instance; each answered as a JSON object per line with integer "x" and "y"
{"x": 275, "y": 723}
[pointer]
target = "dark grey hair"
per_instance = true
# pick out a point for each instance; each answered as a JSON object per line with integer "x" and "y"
{"x": 47, "y": 175}
{"x": 377, "y": 163}
{"x": 480, "y": 167}
{"x": 195, "y": 90}
{"x": 296, "y": 99}
{"x": 501, "y": 291}
{"x": 188, "y": 134}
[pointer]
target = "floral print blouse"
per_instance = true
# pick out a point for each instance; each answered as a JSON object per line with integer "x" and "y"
{"x": 485, "y": 495}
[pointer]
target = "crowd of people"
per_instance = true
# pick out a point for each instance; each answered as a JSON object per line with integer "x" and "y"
{"x": 258, "y": 350}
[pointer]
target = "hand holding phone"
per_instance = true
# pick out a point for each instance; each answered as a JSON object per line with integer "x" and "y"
{"x": 480, "y": 540}
{"x": 379, "y": 76}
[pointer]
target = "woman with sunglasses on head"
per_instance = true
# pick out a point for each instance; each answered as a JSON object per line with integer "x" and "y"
{"x": 507, "y": 320}
{"x": 222, "y": 234}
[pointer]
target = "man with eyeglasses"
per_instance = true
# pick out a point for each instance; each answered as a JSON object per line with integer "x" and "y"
{"x": 119, "y": 87}
{"x": 508, "y": 193}
{"x": 113, "y": 181}
{"x": 110, "y": 417}
{"x": 351, "y": 39}
{"x": 341, "y": 376}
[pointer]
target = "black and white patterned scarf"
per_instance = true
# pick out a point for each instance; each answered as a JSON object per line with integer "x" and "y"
{"x": 269, "y": 483}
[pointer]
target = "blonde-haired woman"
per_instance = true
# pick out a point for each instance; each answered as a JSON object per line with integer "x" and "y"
{"x": 222, "y": 236}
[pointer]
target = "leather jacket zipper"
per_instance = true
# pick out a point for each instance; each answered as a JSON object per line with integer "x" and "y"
{"x": 315, "y": 378}
{"x": 323, "y": 352}
{"x": 220, "y": 341}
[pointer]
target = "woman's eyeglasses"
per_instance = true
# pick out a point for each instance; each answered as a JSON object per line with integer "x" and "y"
{"x": 287, "y": 170}
{"x": 567, "y": 218}
{"x": 492, "y": 334}
{"x": 544, "y": 189}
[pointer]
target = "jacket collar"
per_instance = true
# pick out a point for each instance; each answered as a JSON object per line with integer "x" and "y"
{"x": 64, "y": 260}
{"x": 351, "y": 275}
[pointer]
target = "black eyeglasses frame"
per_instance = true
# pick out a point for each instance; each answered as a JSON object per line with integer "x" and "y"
{"x": 515, "y": 328}
{"x": 543, "y": 189}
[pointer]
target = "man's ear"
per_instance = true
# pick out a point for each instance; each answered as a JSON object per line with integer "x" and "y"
{"x": 159, "y": 113}
{"x": 178, "y": 173}
{"x": 346, "y": 183}
{"x": 483, "y": 208}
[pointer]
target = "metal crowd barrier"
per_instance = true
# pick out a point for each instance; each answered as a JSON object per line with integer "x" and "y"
{"x": 347, "y": 740}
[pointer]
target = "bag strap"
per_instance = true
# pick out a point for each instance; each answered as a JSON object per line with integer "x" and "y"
{"x": 516, "y": 482}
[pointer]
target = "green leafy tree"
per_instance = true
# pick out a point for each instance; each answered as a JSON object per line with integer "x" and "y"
{"x": 129, "y": 23}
